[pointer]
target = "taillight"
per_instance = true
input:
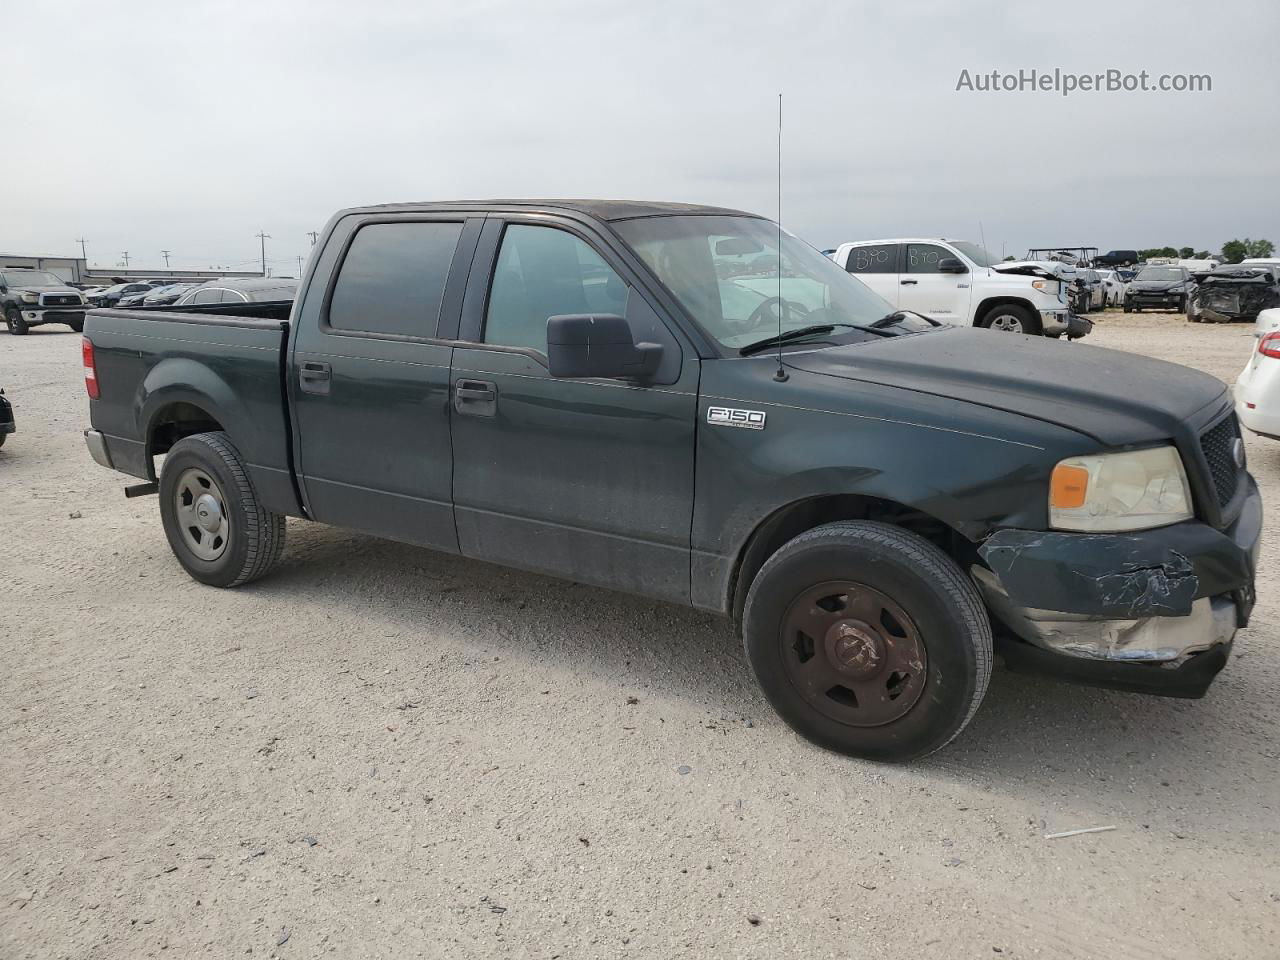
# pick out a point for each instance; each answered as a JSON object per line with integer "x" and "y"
{"x": 1269, "y": 344}
{"x": 90, "y": 368}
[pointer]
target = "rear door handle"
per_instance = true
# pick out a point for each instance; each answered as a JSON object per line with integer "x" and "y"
{"x": 909, "y": 283}
{"x": 314, "y": 377}
{"x": 475, "y": 398}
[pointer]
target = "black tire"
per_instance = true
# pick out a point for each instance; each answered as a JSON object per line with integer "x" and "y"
{"x": 256, "y": 535}
{"x": 1000, "y": 316}
{"x": 13, "y": 319}
{"x": 3, "y": 437}
{"x": 1127, "y": 308}
{"x": 76, "y": 325}
{"x": 947, "y": 615}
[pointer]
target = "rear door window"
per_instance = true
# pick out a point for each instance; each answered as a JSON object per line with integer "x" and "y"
{"x": 875, "y": 258}
{"x": 392, "y": 279}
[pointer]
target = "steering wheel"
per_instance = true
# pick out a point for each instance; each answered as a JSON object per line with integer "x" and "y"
{"x": 770, "y": 310}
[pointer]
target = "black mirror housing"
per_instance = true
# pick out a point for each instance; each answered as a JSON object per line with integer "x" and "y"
{"x": 951, "y": 265}
{"x": 581, "y": 345}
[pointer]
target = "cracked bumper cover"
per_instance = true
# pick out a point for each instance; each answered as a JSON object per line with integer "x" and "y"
{"x": 1153, "y": 610}
{"x": 1055, "y": 323}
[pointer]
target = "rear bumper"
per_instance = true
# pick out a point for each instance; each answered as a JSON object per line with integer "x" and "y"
{"x": 97, "y": 444}
{"x": 1154, "y": 611}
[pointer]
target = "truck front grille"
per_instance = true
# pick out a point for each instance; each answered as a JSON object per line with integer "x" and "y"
{"x": 1218, "y": 445}
{"x": 61, "y": 300}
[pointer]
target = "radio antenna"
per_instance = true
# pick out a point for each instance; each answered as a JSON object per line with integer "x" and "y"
{"x": 781, "y": 374}
{"x": 983, "y": 237}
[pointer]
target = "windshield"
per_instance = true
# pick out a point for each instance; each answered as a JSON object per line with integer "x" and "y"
{"x": 724, "y": 271}
{"x": 1161, "y": 273}
{"x": 32, "y": 278}
{"x": 974, "y": 253}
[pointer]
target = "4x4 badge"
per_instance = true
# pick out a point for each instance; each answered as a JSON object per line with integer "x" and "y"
{"x": 730, "y": 417}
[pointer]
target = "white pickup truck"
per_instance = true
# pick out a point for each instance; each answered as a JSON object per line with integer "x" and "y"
{"x": 958, "y": 282}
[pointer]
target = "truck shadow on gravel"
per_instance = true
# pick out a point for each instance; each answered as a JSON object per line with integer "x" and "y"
{"x": 1030, "y": 733}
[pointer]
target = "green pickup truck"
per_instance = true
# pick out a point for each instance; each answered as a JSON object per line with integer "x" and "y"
{"x": 686, "y": 403}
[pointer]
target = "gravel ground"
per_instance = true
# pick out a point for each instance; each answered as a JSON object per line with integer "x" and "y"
{"x": 380, "y": 751}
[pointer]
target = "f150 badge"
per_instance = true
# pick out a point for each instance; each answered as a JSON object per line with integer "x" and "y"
{"x": 729, "y": 417}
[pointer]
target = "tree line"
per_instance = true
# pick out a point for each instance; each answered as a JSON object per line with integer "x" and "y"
{"x": 1233, "y": 251}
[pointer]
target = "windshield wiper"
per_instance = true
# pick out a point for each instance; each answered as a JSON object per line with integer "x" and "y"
{"x": 889, "y": 319}
{"x": 798, "y": 334}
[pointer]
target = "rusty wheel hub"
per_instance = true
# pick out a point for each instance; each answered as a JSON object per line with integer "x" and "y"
{"x": 853, "y": 653}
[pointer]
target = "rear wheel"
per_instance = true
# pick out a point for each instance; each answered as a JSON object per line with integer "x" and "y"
{"x": 868, "y": 640}
{"x": 217, "y": 528}
{"x": 13, "y": 320}
{"x": 1011, "y": 318}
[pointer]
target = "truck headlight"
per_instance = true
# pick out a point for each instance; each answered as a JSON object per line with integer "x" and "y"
{"x": 1134, "y": 490}
{"x": 1046, "y": 286}
{"x": 31, "y": 298}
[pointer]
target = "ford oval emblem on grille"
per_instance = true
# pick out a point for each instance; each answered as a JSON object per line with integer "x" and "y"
{"x": 1237, "y": 452}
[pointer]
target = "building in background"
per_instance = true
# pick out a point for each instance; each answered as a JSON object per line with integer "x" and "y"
{"x": 76, "y": 270}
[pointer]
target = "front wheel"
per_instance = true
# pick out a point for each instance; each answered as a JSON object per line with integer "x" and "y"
{"x": 217, "y": 528}
{"x": 1011, "y": 318}
{"x": 13, "y": 320}
{"x": 868, "y": 640}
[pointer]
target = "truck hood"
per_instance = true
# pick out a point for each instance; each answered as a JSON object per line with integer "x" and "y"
{"x": 1114, "y": 397}
{"x": 1047, "y": 269}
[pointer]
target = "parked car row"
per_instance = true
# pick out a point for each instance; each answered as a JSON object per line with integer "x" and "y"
{"x": 30, "y": 298}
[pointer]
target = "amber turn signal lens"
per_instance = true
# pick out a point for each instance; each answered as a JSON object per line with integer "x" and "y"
{"x": 1068, "y": 487}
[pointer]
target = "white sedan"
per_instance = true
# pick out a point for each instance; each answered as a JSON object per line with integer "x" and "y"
{"x": 1113, "y": 287}
{"x": 1257, "y": 389}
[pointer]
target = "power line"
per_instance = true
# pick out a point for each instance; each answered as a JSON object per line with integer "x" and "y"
{"x": 263, "y": 238}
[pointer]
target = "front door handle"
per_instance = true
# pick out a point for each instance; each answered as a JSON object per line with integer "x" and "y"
{"x": 909, "y": 283}
{"x": 314, "y": 377}
{"x": 475, "y": 398}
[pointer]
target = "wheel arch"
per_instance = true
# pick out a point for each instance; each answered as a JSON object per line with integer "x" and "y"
{"x": 990, "y": 303}
{"x": 181, "y": 397}
{"x": 800, "y": 516}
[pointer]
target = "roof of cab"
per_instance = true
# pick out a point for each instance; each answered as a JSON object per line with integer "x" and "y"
{"x": 599, "y": 209}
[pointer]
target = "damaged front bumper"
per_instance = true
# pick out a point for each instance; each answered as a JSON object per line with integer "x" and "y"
{"x": 1154, "y": 611}
{"x": 1055, "y": 323}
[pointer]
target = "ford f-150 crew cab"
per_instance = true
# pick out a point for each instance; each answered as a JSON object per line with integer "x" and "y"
{"x": 954, "y": 281}
{"x": 685, "y": 403}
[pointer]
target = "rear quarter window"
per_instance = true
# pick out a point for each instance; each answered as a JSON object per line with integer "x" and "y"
{"x": 393, "y": 277}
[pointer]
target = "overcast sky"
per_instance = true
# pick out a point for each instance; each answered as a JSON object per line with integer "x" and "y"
{"x": 189, "y": 126}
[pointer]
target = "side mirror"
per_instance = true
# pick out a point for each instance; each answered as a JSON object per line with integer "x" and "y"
{"x": 951, "y": 265}
{"x": 598, "y": 345}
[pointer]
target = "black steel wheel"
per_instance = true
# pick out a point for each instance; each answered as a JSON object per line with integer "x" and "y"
{"x": 13, "y": 320}
{"x": 868, "y": 640}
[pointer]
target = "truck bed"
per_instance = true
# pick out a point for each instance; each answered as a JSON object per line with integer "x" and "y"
{"x": 226, "y": 359}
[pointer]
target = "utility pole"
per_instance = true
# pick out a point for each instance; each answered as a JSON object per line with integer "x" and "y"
{"x": 165, "y": 254}
{"x": 264, "y": 237}
{"x": 312, "y": 234}
{"x": 299, "y": 267}
{"x": 126, "y": 257}
{"x": 83, "y": 256}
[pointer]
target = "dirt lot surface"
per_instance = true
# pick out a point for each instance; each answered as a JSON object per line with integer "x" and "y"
{"x": 380, "y": 751}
